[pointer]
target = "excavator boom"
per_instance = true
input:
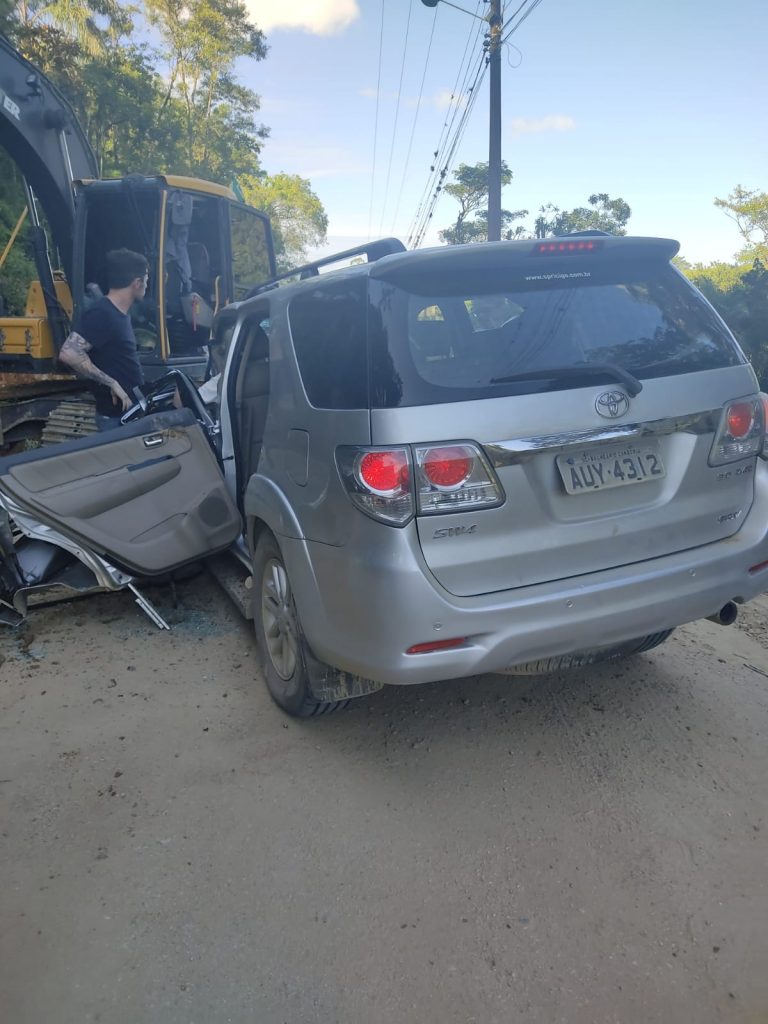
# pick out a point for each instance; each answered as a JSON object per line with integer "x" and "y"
{"x": 40, "y": 132}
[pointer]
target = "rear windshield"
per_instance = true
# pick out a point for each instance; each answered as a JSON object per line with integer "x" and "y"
{"x": 463, "y": 337}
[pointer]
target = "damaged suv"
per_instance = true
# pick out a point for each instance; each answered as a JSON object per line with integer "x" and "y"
{"x": 506, "y": 457}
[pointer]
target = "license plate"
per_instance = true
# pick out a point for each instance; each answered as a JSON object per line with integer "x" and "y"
{"x": 597, "y": 469}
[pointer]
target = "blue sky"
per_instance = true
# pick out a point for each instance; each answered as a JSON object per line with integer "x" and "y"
{"x": 661, "y": 103}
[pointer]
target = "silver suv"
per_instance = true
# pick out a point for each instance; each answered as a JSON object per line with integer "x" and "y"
{"x": 507, "y": 457}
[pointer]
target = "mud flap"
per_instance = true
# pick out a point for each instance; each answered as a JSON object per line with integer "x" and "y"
{"x": 332, "y": 684}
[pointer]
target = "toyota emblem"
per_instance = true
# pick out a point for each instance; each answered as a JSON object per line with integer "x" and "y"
{"x": 612, "y": 404}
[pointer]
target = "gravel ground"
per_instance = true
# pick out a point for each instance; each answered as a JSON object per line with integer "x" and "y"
{"x": 584, "y": 847}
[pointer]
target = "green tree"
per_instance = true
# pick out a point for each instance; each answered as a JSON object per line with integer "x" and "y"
{"x": 18, "y": 269}
{"x": 299, "y": 221}
{"x": 602, "y": 214}
{"x": 201, "y": 41}
{"x": 177, "y": 107}
{"x": 740, "y": 295}
{"x": 470, "y": 190}
{"x": 88, "y": 22}
{"x": 749, "y": 209}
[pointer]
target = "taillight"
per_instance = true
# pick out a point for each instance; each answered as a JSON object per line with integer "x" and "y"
{"x": 447, "y": 468}
{"x": 385, "y": 473}
{"x": 741, "y": 432}
{"x": 764, "y": 403}
{"x": 378, "y": 480}
{"x": 740, "y": 419}
{"x": 454, "y": 478}
{"x": 449, "y": 477}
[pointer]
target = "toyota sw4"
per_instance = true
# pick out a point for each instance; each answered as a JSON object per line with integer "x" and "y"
{"x": 505, "y": 457}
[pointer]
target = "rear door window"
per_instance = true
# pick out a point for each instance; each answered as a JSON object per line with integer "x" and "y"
{"x": 467, "y": 341}
{"x": 328, "y": 327}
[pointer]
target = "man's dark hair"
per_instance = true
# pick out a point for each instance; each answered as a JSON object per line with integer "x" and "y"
{"x": 124, "y": 266}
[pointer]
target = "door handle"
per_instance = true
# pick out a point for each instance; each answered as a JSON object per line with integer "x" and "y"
{"x": 154, "y": 440}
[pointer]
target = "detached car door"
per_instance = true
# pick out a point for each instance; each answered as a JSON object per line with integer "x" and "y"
{"x": 149, "y": 497}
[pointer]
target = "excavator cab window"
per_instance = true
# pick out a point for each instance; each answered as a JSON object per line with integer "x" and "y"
{"x": 194, "y": 269}
{"x": 121, "y": 216}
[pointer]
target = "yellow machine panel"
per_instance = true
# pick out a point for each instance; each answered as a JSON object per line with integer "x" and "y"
{"x": 30, "y": 335}
{"x": 26, "y": 336}
{"x": 36, "y": 299}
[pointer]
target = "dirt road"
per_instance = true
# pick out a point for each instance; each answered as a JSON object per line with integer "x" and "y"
{"x": 582, "y": 848}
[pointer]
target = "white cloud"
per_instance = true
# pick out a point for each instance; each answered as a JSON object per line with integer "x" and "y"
{"x": 319, "y": 17}
{"x": 536, "y": 125}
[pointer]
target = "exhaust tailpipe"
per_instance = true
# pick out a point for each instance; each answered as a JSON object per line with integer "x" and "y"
{"x": 727, "y": 614}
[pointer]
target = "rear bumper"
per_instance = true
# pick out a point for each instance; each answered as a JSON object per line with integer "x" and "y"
{"x": 364, "y": 604}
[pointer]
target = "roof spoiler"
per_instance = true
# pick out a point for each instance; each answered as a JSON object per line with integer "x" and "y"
{"x": 372, "y": 250}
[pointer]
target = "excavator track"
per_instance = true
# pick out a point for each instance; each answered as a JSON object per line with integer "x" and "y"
{"x": 70, "y": 421}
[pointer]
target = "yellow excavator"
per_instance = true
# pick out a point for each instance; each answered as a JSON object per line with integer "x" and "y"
{"x": 205, "y": 249}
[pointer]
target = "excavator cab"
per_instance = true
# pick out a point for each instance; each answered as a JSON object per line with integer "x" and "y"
{"x": 204, "y": 248}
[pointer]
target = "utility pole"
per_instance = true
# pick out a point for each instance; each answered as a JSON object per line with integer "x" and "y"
{"x": 494, "y": 124}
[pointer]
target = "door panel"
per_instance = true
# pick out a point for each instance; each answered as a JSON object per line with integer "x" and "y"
{"x": 149, "y": 496}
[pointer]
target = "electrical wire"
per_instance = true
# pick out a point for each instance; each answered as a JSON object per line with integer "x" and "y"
{"x": 455, "y": 98}
{"x": 459, "y": 95}
{"x": 427, "y": 217}
{"x": 511, "y": 46}
{"x": 428, "y": 212}
{"x": 376, "y": 121}
{"x": 441, "y": 169}
{"x": 413, "y": 126}
{"x": 533, "y": 5}
{"x": 424, "y": 215}
{"x": 397, "y": 114}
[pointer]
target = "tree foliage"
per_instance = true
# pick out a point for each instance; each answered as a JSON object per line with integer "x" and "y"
{"x": 470, "y": 190}
{"x": 299, "y": 221}
{"x": 602, "y": 214}
{"x": 740, "y": 295}
{"x": 739, "y": 291}
{"x": 173, "y": 106}
{"x": 19, "y": 267}
{"x": 749, "y": 209}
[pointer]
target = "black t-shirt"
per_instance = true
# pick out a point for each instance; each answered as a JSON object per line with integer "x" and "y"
{"x": 113, "y": 350}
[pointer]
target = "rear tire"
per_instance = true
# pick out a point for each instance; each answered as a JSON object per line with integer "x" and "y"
{"x": 282, "y": 646}
{"x": 581, "y": 659}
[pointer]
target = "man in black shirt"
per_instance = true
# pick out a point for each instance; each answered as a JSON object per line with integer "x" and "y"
{"x": 103, "y": 349}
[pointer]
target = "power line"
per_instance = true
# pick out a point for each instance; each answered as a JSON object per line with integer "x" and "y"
{"x": 397, "y": 114}
{"x": 432, "y": 177}
{"x": 528, "y": 13}
{"x": 437, "y": 168}
{"x": 456, "y": 93}
{"x": 413, "y": 126}
{"x": 376, "y": 121}
{"x": 426, "y": 215}
{"x": 442, "y": 166}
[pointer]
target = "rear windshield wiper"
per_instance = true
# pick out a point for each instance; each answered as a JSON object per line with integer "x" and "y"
{"x": 632, "y": 384}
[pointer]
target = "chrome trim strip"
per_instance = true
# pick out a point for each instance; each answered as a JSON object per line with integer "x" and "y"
{"x": 523, "y": 449}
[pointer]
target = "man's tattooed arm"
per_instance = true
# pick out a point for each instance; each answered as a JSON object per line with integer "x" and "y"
{"x": 74, "y": 354}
